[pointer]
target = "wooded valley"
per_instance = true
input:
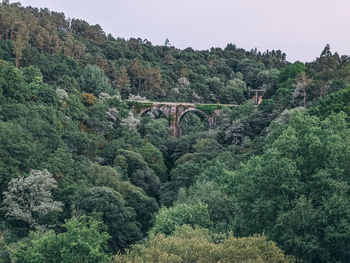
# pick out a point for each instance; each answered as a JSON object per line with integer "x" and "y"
{"x": 84, "y": 179}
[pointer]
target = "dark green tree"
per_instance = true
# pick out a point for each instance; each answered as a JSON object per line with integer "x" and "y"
{"x": 120, "y": 219}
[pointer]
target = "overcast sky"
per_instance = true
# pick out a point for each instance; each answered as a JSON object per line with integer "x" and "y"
{"x": 301, "y": 28}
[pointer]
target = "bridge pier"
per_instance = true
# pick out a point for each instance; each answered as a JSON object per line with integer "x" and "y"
{"x": 173, "y": 129}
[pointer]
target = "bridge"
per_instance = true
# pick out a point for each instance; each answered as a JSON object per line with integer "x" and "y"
{"x": 175, "y": 112}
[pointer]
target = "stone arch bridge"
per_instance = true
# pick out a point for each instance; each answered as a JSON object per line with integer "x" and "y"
{"x": 176, "y": 111}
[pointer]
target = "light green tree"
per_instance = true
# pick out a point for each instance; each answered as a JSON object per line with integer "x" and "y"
{"x": 196, "y": 245}
{"x": 83, "y": 241}
{"x": 29, "y": 199}
{"x": 93, "y": 80}
{"x": 167, "y": 219}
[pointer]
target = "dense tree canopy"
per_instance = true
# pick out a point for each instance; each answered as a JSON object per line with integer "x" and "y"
{"x": 93, "y": 178}
{"x": 83, "y": 241}
{"x": 196, "y": 245}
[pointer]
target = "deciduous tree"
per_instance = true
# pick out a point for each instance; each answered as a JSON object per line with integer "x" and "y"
{"x": 29, "y": 199}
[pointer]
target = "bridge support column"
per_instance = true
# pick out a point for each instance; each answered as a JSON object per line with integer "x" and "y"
{"x": 211, "y": 121}
{"x": 173, "y": 130}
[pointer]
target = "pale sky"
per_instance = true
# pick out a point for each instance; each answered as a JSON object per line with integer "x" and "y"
{"x": 300, "y": 28}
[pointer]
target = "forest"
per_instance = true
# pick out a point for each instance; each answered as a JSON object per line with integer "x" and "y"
{"x": 84, "y": 179}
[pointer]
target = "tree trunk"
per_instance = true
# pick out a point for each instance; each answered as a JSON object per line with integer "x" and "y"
{"x": 140, "y": 80}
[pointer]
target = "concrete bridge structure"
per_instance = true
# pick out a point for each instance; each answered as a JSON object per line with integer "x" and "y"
{"x": 175, "y": 111}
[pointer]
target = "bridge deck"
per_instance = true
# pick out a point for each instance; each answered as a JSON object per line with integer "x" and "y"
{"x": 181, "y": 103}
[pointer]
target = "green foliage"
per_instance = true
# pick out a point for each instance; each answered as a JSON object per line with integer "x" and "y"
{"x": 288, "y": 179}
{"x": 222, "y": 207}
{"x": 208, "y": 108}
{"x": 137, "y": 170}
{"x": 93, "y": 80}
{"x": 155, "y": 131}
{"x": 291, "y": 72}
{"x": 333, "y": 103}
{"x": 31, "y": 74}
{"x": 182, "y": 176}
{"x": 135, "y": 197}
{"x": 144, "y": 206}
{"x": 81, "y": 143}
{"x": 168, "y": 219}
{"x": 154, "y": 159}
{"x": 83, "y": 241}
{"x": 239, "y": 111}
{"x": 43, "y": 93}
{"x": 195, "y": 245}
{"x": 234, "y": 92}
{"x": 17, "y": 151}
{"x": 12, "y": 87}
{"x": 138, "y": 105}
{"x": 304, "y": 166}
{"x": 267, "y": 105}
{"x": 29, "y": 199}
{"x": 286, "y": 82}
{"x": 207, "y": 149}
{"x": 193, "y": 123}
{"x": 204, "y": 150}
{"x": 74, "y": 108}
{"x": 120, "y": 219}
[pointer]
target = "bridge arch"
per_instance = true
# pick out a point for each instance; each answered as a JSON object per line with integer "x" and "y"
{"x": 147, "y": 110}
{"x": 191, "y": 110}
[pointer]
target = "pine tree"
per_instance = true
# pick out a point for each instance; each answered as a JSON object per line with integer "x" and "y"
{"x": 123, "y": 82}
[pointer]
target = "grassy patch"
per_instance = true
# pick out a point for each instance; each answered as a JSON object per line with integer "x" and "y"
{"x": 208, "y": 108}
{"x": 138, "y": 106}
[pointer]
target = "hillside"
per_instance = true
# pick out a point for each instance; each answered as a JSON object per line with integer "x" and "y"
{"x": 83, "y": 178}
